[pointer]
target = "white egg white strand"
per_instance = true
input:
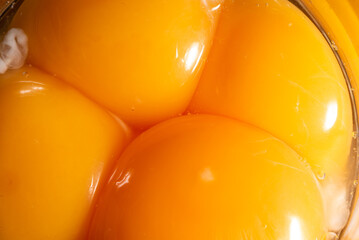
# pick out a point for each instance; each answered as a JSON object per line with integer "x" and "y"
{"x": 13, "y": 50}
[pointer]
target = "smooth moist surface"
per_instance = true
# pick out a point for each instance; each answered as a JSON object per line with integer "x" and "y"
{"x": 207, "y": 177}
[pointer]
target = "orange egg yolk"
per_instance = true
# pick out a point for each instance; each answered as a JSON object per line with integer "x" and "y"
{"x": 267, "y": 138}
{"x": 271, "y": 67}
{"x": 56, "y": 148}
{"x": 208, "y": 177}
{"x": 140, "y": 59}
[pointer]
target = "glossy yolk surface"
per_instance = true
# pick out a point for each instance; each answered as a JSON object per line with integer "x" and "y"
{"x": 140, "y": 59}
{"x": 207, "y": 177}
{"x": 272, "y": 68}
{"x": 340, "y": 20}
{"x": 55, "y": 148}
{"x": 197, "y": 177}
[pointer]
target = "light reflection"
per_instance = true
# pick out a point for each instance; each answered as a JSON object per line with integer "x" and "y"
{"x": 216, "y": 7}
{"x": 207, "y": 175}
{"x": 331, "y": 116}
{"x": 25, "y": 91}
{"x": 93, "y": 185}
{"x": 295, "y": 231}
{"x": 37, "y": 88}
{"x": 192, "y": 56}
{"x": 125, "y": 180}
{"x": 30, "y": 90}
{"x": 209, "y": 3}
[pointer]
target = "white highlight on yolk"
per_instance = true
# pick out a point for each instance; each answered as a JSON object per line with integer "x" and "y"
{"x": 331, "y": 116}
{"x": 30, "y": 90}
{"x": 93, "y": 185}
{"x": 38, "y": 88}
{"x": 192, "y": 56}
{"x": 213, "y": 5}
{"x": 125, "y": 180}
{"x": 14, "y": 49}
{"x": 207, "y": 175}
{"x": 295, "y": 230}
{"x": 216, "y": 7}
{"x": 25, "y": 91}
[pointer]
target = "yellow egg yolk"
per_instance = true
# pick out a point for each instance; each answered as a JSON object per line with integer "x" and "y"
{"x": 270, "y": 162}
{"x": 56, "y": 148}
{"x": 271, "y": 67}
{"x": 207, "y": 177}
{"x": 140, "y": 59}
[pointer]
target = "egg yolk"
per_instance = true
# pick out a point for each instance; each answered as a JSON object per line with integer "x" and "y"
{"x": 271, "y": 67}
{"x": 208, "y": 177}
{"x": 270, "y": 162}
{"x": 56, "y": 147}
{"x": 140, "y": 59}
